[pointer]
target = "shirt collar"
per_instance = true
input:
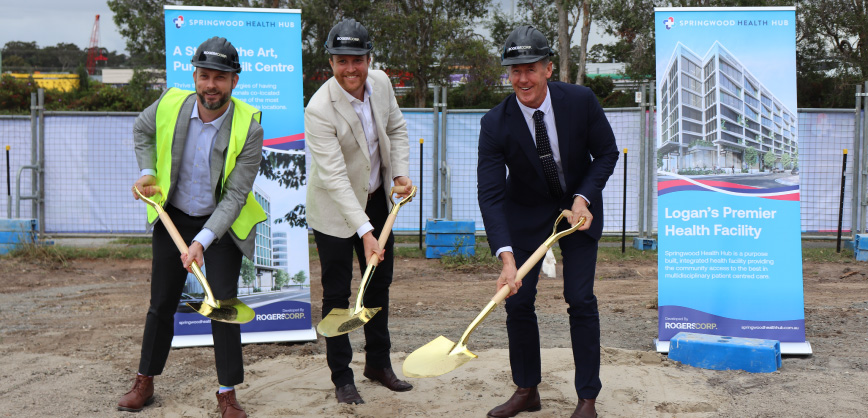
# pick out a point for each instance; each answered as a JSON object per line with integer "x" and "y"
{"x": 352, "y": 99}
{"x": 216, "y": 123}
{"x": 545, "y": 107}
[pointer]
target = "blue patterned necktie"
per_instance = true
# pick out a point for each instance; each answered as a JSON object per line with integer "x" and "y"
{"x": 544, "y": 149}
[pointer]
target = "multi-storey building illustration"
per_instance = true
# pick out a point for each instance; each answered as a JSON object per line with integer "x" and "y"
{"x": 278, "y": 250}
{"x": 712, "y": 110}
{"x": 262, "y": 257}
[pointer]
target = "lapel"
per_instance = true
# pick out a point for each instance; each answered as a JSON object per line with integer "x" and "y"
{"x": 379, "y": 121}
{"x": 180, "y": 138}
{"x": 345, "y": 109}
{"x": 518, "y": 128}
{"x": 561, "y": 110}
{"x": 219, "y": 149}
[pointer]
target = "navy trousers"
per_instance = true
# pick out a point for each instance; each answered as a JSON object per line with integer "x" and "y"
{"x": 579, "y": 259}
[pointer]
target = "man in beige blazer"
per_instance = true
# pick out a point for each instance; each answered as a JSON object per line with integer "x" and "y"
{"x": 357, "y": 140}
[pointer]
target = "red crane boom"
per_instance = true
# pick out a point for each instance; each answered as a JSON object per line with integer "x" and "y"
{"x": 95, "y": 53}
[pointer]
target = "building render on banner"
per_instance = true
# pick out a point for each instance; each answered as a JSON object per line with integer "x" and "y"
{"x": 713, "y": 109}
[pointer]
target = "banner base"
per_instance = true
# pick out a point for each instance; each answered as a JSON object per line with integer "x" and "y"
{"x": 204, "y": 340}
{"x": 790, "y": 349}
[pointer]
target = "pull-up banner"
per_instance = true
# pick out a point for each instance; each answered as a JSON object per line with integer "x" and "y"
{"x": 276, "y": 283}
{"x": 729, "y": 233}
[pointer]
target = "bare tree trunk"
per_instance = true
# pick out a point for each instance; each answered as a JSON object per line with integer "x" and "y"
{"x": 563, "y": 42}
{"x": 420, "y": 91}
{"x": 275, "y": 4}
{"x": 586, "y": 29}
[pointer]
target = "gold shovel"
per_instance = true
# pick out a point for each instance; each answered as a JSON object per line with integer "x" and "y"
{"x": 232, "y": 310}
{"x": 342, "y": 321}
{"x": 442, "y": 356}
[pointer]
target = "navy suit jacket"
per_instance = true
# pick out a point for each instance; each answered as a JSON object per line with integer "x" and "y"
{"x": 515, "y": 205}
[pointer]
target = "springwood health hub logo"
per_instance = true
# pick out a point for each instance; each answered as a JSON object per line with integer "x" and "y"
{"x": 180, "y": 22}
{"x": 670, "y": 22}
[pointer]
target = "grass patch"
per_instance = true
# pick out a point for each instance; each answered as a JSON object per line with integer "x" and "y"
{"x": 133, "y": 241}
{"x": 827, "y": 255}
{"x": 610, "y": 254}
{"x": 409, "y": 252}
{"x": 54, "y": 256}
{"x": 481, "y": 260}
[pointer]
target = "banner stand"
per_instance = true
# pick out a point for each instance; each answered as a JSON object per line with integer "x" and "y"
{"x": 791, "y": 349}
{"x": 206, "y": 340}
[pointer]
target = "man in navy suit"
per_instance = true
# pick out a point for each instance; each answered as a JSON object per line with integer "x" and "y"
{"x": 546, "y": 148}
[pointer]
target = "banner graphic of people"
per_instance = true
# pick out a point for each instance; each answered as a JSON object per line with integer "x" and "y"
{"x": 276, "y": 283}
{"x": 729, "y": 250}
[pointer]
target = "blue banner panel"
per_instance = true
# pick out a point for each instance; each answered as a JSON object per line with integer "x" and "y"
{"x": 269, "y": 48}
{"x": 276, "y": 283}
{"x": 729, "y": 232}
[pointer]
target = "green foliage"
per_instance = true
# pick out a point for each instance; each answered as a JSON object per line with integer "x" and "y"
{"x": 248, "y": 272}
{"x": 281, "y": 278}
{"x": 786, "y": 160}
{"x": 299, "y": 278}
{"x": 601, "y": 86}
{"x": 15, "y": 97}
{"x": 751, "y": 156}
{"x": 769, "y": 159}
{"x": 702, "y": 143}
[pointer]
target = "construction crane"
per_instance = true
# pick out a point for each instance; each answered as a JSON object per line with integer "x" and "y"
{"x": 95, "y": 53}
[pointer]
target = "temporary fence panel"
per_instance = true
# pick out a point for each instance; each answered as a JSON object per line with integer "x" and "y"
{"x": 90, "y": 167}
{"x": 823, "y": 136}
{"x": 15, "y": 132}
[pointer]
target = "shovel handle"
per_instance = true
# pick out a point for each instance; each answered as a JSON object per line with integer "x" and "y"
{"x": 539, "y": 253}
{"x": 182, "y": 247}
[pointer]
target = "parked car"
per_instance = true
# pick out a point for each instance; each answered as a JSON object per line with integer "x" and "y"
{"x": 794, "y": 170}
{"x": 182, "y": 305}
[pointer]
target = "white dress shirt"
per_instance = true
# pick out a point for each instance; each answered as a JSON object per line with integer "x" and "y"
{"x": 552, "y": 131}
{"x": 194, "y": 193}
{"x": 366, "y": 116}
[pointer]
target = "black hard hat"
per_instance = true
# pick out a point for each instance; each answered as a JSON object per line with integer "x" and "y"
{"x": 348, "y": 38}
{"x": 217, "y": 54}
{"x": 523, "y": 46}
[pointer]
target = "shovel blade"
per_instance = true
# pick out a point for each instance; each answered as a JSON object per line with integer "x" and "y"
{"x": 232, "y": 311}
{"x": 342, "y": 321}
{"x": 436, "y": 358}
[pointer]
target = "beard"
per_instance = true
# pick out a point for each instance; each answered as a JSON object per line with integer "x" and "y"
{"x": 213, "y": 105}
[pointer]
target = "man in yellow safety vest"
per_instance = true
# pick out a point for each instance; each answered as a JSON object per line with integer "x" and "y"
{"x": 198, "y": 153}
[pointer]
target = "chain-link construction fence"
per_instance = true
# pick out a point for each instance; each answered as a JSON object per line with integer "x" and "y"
{"x": 90, "y": 166}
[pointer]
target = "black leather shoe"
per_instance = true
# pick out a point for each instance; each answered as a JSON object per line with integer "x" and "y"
{"x": 387, "y": 378}
{"x": 524, "y": 399}
{"x": 585, "y": 409}
{"x": 348, "y": 394}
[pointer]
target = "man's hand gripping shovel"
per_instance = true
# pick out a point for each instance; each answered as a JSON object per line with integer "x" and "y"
{"x": 342, "y": 321}
{"x": 232, "y": 310}
{"x": 441, "y": 355}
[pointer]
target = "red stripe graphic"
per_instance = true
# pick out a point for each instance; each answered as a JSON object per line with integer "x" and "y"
{"x": 283, "y": 139}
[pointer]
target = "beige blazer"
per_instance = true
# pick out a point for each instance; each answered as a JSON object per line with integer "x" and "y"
{"x": 337, "y": 190}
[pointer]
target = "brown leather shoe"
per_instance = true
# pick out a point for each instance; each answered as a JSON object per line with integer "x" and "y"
{"x": 524, "y": 399}
{"x": 229, "y": 407}
{"x": 387, "y": 378}
{"x": 585, "y": 409}
{"x": 348, "y": 394}
{"x": 140, "y": 396}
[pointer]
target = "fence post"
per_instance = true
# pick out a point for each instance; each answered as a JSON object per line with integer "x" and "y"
{"x": 863, "y": 196}
{"x": 34, "y": 155}
{"x": 624, "y": 208}
{"x": 652, "y": 159}
{"x": 421, "y": 181}
{"x": 856, "y": 201}
{"x": 841, "y": 204}
{"x": 445, "y": 176}
{"x": 41, "y": 169}
{"x": 435, "y": 159}
{"x": 642, "y": 151}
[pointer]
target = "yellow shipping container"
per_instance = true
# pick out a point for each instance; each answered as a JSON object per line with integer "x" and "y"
{"x": 62, "y": 82}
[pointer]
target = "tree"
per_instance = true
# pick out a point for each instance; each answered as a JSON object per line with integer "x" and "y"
{"x": 769, "y": 159}
{"x": 786, "y": 159}
{"x": 248, "y": 272}
{"x": 281, "y": 278}
{"x": 289, "y": 171}
{"x": 421, "y": 37}
{"x": 751, "y": 156}
{"x": 299, "y": 278}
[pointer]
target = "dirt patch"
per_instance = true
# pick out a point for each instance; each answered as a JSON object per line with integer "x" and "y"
{"x": 70, "y": 341}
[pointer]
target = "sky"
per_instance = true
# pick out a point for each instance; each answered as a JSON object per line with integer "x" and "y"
{"x": 49, "y": 22}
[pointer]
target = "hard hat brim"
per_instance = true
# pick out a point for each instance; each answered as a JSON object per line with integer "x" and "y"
{"x": 215, "y": 66}
{"x": 344, "y": 50}
{"x": 520, "y": 60}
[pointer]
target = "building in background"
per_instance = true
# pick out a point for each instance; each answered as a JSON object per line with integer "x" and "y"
{"x": 713, "y": 110}
{"x": 262, "y": 256}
